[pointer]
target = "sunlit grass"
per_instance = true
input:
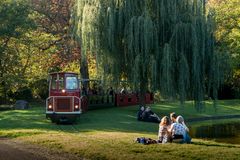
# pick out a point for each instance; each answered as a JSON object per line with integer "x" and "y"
{"x": 120, "y": 145}
{"x": 227, "y": 107}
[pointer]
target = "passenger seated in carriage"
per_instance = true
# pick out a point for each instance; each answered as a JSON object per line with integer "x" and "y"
{"x": 111, "y": 91}
{"x": 123, "y": 91}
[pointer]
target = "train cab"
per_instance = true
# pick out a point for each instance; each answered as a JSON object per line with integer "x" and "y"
{"x": 63, "y": 103}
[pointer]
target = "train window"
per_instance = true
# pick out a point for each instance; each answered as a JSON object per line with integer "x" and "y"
{"x": 54, "y": 83}
{"x": 71, "y": 83}
{"x": 61, "y": 83}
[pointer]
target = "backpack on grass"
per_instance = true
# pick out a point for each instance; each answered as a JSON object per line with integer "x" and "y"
{"x": 144, "y": 140}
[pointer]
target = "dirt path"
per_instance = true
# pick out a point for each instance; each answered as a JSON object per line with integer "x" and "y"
{"x": 16, "y": 150}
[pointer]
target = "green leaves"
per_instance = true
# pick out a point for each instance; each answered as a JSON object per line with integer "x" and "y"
{"x": 14, "y": 17}
{"x": 165, "y": 45}
{"x": 227, "y": 24}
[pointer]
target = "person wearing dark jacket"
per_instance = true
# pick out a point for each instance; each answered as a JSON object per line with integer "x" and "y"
{"x": 140, "y": 113}
{"x": 149, "y": 116}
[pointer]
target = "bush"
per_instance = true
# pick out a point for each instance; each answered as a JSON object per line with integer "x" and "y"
{"x": 231, "y": 87}
{"x": 40, "y": 88}
{"x": 23, "y": 93}
{"x": 157, "y": 97}
{"x": 226, "y": 92}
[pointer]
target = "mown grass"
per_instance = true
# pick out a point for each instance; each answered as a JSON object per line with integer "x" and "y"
{"x": 226, "y": 107}
{"x": 110, "y": 133}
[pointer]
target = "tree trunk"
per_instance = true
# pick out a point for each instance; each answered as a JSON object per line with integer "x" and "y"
{"x": 84, "y": 73}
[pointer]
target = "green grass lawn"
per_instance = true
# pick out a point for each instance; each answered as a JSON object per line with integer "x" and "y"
{"x": 110, "y": 133}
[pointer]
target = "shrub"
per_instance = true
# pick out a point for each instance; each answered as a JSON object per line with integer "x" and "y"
{"x": 24, "y": 93}
{"x": 40, "y": 88}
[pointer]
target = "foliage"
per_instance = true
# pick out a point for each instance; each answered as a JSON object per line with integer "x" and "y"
{"x": 32, "y": 45}
{"x": 25, "y": 61}
{"x": 40, "y": 88}
{"x": 14, "y": 18}
{"x": 157, "y": 45}
{"x": 15, "y": 22}
{"x": 54, "y": 18}
{"x": 23, "y": 93}
{"x": 227, "y": 21}
{"x": 231, "y": 88}
{"x": 227, "y": 25}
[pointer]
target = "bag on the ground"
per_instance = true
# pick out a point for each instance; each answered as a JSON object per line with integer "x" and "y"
{"x": 144, "y": 140}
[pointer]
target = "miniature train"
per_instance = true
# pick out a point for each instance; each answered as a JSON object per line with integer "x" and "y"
{"x": 67, "y": 101}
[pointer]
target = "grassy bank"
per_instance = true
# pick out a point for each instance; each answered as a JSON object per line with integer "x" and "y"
{"x": 110, "y": 133}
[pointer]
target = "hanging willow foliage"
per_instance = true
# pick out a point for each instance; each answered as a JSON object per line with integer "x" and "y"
{"x": 165, "y": 44}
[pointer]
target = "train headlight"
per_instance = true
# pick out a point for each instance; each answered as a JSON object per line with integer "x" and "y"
{"x": 76, "y": 106}
{"x": 63, "y": 91}
{"x": 50, "y": 106}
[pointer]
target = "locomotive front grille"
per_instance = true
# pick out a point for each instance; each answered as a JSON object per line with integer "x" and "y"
{"x": 63, "y": 104}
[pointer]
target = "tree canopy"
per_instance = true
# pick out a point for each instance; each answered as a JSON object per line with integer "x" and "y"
{"x": 155, "y": 44}
{"x": 227, "y": 33}
{"x": 32, "y": 45}
{"x": 15, "y": 22}
{"x": 176, "y": 47}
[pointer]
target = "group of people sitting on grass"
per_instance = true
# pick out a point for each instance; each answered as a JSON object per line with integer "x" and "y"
{"x": 171, "y": 129}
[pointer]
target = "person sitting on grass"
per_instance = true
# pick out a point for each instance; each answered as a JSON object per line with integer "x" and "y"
{"x": 149, "y": 116}
{"x": 173, "y": 117}
{"x": 178, "y": 131}
{"x": 178, "y": 122}
{"x": 163, "y": 134}
{"x": 186, "y": 137}
{"x": 140, "y": 113}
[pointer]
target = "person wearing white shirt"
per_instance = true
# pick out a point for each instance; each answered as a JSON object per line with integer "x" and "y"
{"x": 181, "y": 124}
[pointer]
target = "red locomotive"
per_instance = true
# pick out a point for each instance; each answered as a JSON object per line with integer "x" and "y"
{"x": 63, "y": 103}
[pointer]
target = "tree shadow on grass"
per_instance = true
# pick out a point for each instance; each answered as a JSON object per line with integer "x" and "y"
{"x": 213, "y": 144}
{"x": 111, "y": 120}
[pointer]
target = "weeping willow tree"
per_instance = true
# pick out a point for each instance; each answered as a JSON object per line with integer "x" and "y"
{"x": 165, "y": 45}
